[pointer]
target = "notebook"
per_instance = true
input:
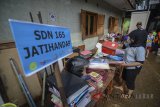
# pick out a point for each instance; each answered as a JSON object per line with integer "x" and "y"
{"x": 73, "y": 85}
{"x": 86, "y": 52}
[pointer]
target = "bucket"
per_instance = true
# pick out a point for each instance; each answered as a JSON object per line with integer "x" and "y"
{"x": 8, "y": 105}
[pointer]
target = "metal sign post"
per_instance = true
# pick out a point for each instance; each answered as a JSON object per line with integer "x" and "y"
{"x": 22, "y": 83}
{"x": 38, "y": 46}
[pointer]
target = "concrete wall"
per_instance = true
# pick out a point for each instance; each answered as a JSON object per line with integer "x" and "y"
{"x": 67, "y": 14}
{"x": 10, "y": 80}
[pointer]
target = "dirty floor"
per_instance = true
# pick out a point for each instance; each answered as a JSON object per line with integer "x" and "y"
{"x": 147, "y": 92}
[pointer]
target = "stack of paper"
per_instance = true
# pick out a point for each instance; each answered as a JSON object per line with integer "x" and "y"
{"x": 85, "y": 101}
{"x": 86, "y": 54}
{"x": 98, "y": 63}
{"x": 95, "y": 76}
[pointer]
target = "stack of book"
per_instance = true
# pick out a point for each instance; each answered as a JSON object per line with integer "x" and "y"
{"x": 95, "y": 76}
{"x": 99, "y": 63}
{"x": 96, "y": 80}
{"x": 76, "y": 89}
{"x": 86, "y": 54}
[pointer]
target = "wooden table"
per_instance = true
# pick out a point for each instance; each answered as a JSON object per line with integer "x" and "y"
{"x": 109, "y": 82}
{"x": 106, "y": 84}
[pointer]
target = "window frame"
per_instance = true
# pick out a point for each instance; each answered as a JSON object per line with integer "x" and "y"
{"x": 85, "y": 25}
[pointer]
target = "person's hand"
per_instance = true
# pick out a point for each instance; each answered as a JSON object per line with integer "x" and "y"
{"x": 115, "y": 62}
{"x": 122, "y": 64}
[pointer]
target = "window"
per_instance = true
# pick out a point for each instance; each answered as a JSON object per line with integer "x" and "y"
{"x": 113, "y": 24}
{"x": 92, "y": 24}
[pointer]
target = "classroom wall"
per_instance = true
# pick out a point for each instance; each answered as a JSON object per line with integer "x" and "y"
{"x": 67, "y": 13}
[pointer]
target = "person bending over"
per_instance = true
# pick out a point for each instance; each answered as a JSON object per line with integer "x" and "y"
{"x": 134, "y": 58}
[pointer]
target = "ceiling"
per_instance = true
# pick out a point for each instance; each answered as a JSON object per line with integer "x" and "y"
{"x": 121, "y": 4}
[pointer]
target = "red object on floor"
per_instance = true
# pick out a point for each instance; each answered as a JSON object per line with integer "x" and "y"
{"x": 97, "y": 96}
{"x": 109, "y": 47}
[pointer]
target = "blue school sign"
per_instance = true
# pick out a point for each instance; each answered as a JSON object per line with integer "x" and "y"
{"x": 40, "y": 45}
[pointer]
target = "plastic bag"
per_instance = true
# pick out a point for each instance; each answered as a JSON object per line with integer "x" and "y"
{"x": 76, "y": 65}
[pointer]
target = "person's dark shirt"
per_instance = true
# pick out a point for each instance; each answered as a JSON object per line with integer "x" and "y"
{"x": 138, "y": 38}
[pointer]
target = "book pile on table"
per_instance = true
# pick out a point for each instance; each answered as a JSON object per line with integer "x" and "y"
{"x": 76, "y": 90}
{"x": 86, "y": 54}
{"x": 96, "y": 80}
